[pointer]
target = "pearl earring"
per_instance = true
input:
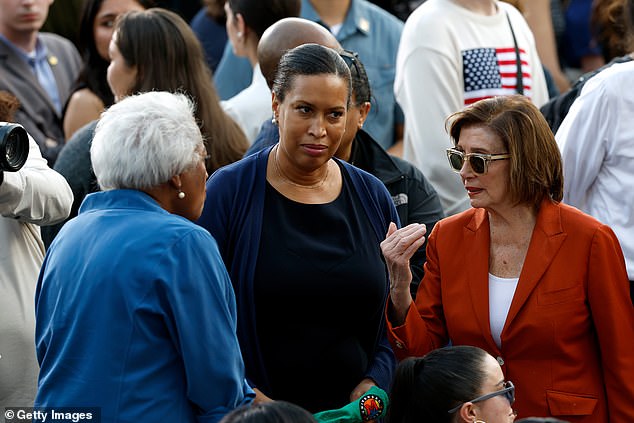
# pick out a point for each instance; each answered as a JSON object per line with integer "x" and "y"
{"x": 239, "y": 34}
{"x": 181, "y": 194}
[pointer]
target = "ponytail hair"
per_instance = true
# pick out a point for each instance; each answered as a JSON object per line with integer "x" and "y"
{"x": 425, "y": 388}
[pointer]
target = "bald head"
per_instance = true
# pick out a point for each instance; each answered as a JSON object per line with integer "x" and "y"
{"x": 286, "y": 34}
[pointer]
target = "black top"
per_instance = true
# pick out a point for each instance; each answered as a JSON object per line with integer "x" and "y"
{"x": 319, "y": 296}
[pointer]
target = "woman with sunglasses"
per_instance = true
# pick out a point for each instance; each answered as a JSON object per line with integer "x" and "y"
{"x": 454, "y": 385}
{"x": 539, "y": 285}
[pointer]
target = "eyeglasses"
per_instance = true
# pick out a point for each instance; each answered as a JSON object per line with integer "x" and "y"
{"x": 479, "y": 162}
{"x": 508, "y": 392}
{"x": 351, "y": 58}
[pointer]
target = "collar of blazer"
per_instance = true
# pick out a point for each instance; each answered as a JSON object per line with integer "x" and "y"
{"x": 548, "y": 235}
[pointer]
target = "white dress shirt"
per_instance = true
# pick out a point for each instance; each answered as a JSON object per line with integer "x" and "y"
{"x": 597, "y": 143}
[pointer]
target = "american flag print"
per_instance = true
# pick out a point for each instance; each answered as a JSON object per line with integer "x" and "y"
{"x": 489, "y": 72}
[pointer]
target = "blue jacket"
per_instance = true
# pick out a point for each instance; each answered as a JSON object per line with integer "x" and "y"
{"x": 135, "y": 314}
{"x": 233, "y": 214}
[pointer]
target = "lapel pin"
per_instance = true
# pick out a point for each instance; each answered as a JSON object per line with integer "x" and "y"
{"x": 364, "y": 24}
{"x": 52, "y": 60}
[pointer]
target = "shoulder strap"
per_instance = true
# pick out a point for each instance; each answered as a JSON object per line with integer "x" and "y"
{"x": 520, "y": 76}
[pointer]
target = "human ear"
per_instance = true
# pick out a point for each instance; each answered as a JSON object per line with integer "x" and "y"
{"x": 364, "y": 110}
{"x": 241, "y": 26}
{"x": 275, "y": 105}
{"x": 467, "y": 413}
{"x": 175, "y": 182}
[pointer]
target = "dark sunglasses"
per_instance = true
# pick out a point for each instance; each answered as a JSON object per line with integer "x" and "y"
{"x": 479, "y": 162}
{"x": 351, "y": 58}
{"x": 508, "y": 391}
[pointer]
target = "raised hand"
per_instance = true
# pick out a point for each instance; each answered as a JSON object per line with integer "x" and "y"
{"x": 398, "y": 247}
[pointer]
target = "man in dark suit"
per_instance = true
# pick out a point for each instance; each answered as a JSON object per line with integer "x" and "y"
{"x": 39, "y": 69}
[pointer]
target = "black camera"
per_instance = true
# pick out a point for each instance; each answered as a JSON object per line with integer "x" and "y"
{"x": 14, "y": 147}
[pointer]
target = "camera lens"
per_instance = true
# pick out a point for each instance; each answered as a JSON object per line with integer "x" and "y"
{"x": 14, "y": 147}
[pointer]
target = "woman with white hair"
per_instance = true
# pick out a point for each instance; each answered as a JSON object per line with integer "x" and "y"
{"x": 135, "y": 313}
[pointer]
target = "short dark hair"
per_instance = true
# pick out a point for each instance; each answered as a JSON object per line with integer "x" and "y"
{"x": 536, "y": 166}
{"x": 269, "y": 412}
{"x": 260, "y": 14}
{"x": 309, "y": 59}
{"x": 425, "y": 388}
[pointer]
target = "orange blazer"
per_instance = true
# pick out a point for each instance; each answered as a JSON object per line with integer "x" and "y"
{"x": 568, "y": 340}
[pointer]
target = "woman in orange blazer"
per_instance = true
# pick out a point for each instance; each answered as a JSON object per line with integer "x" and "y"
{"x": 537, "y": 284}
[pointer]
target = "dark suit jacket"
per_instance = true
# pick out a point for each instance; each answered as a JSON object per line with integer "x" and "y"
{"x": 37, "y": 113}
{"x": 568, "y": 341}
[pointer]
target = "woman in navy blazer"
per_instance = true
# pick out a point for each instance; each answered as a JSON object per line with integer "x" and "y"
{"x": 535, "y": 283}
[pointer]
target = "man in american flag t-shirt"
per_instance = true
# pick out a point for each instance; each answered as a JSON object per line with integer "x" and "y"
{"x": 453, "y": 53}
{"x": 489, "y": 72}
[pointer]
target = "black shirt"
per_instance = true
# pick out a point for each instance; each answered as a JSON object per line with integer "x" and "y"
{"x": 319, "y": 296}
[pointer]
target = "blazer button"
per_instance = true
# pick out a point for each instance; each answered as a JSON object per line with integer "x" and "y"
{"x": 500, "y": 361}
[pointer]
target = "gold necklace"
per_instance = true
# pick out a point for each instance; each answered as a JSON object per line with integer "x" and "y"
{"x": 286, "y": 179}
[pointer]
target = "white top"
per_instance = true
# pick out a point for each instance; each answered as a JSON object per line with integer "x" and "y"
{"x": 501, "y": 291}
{"x": 597, "y": 143}
{"x": 251, "y": 106}
{"x": 439, "y": 41}
{"x": 36, "y": 195}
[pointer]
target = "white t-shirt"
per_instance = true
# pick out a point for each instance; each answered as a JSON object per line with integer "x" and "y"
{"x": 501, "y": 291}
{"x": 448, "y": 57}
